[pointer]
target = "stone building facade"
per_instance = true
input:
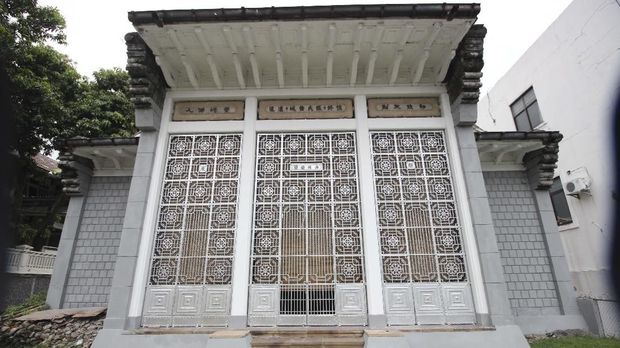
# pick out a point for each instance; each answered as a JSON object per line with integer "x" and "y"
{"x": 579, "y": 49}
{"x": 316, "y": 168}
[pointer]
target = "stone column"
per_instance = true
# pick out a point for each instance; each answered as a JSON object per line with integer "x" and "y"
{"x": 243, "y": 238}
{"x": 463, "y": 85}
{"x": 500, "y": 312}
{"x": 76, "y": 175}
{"x": 147, "y": 90}
{"x": 372, "y": 253}
{"x": 540, "y": 168}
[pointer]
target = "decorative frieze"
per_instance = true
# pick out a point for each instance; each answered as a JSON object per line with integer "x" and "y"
{"x": 208, "y": 111}
{"x": 146, "y": 84}
{"x": 403, "y": 107}
{"x": 463, "y": 78}
{"x": 305, "y": 109}
{"x": 541, "y": 164}
{"x": 75, "y": 173}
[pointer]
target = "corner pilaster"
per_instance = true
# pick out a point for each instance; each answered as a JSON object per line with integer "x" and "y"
{"x": 486, "y": 240}
{"x": 463, "y": 86}
{"x": 76, "y": 175}
{"x": 147, "y": 90}
{"x": 540, "y": 169}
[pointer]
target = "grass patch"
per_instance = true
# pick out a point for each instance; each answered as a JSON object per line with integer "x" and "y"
{"x": 576, "y": 342}
{"x": 34, "y": 302}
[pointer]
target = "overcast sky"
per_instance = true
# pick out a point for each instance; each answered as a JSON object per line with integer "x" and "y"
{"x": 95, "y": 29}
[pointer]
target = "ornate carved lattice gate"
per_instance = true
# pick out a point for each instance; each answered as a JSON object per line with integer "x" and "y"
{"x": 424, "y": 272}
{"x": 307, "y": 260}
{"x": 191, "y": 266}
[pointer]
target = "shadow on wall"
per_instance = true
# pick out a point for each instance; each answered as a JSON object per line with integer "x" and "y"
{"x": 615, "y": 253}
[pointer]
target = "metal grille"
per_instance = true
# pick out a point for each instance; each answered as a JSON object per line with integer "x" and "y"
{"x": 307, "y": 237}
{"x": 419, "y": 228}
{"x": 195, "y": 231}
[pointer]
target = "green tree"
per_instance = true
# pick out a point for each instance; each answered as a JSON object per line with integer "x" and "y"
{"x": 42, "y": 81}
{"x": 48, "y": 99}
{"x": 103, "y": 108}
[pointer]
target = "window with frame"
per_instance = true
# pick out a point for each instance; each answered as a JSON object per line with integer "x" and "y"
{"x": 559, "y": 202}
{"x": 525, "y": 111}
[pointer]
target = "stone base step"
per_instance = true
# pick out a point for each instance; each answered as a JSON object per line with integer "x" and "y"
{"x": 308, "y": 342}
{"x": 309, "y": 338}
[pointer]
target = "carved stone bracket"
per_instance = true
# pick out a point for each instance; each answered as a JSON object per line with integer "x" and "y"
{"x": 147, "y": 85}
{"x": 463, "y": 78}
{"x": 541, "y": 163}
{"x": 76, "y": 172}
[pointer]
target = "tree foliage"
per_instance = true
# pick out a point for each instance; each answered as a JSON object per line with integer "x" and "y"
{"x": 49, "y": 100}
{"x": 103, "y": 108}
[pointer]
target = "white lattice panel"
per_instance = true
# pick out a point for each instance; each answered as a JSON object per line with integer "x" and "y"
{"x": 419, "y": 231}
{"x": 307, "y": 230}
{"x": 191, "y": 265}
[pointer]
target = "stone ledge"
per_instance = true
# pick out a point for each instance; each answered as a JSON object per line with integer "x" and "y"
{"x": 447, "y": 328}
{"x": 52, "y": 314}
{"x": 229, "y": 334}
{"x": 383, "y": 333}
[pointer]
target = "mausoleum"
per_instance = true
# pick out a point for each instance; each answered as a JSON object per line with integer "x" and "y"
{"x": 312, "y": 172}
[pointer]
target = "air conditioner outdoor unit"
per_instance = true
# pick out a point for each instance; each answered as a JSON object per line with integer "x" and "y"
{"x": 577, "y": 186}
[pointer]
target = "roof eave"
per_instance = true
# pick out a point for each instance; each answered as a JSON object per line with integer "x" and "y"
{"x": 421, "y": 11}
{"x": 90, "y": 142}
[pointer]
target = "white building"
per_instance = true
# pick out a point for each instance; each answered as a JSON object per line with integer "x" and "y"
{"x": 572, "y": 73}
{"x": 316, "y": 168}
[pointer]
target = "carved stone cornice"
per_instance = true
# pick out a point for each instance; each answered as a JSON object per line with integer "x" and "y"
{"x": 146, "y": 85}
{"x": 463, "y": 78}
{"x": 75, "y": 175}
{"x": 541, "y": 163}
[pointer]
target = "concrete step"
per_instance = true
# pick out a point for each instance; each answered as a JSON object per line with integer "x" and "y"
{"x": 307, "y": 332}
{"x": 308, "y": 342}
{"x": 308, "y": 338}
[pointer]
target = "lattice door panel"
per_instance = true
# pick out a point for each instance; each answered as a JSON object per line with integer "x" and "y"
{"x": 307, "y": 260}
{"x": 191, "y": 268}
{"x": 424, "y": 271}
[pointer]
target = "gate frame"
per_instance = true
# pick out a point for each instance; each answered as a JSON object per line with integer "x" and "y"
{"x": 250, "y": 126}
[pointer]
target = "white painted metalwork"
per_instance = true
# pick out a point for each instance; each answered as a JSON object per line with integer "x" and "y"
{"x": 423, "y": 258}
{"x": 191, "y": 266}
{"x": 307, "y": 260}
{"x": 23, "y": 260}
{"x": 255, "y": 300}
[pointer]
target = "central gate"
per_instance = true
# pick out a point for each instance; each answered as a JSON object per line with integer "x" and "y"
{"x": 307, "y": 259}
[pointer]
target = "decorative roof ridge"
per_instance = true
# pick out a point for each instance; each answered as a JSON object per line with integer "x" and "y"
{"x": 540, "y": 163}
{"x": 110, "y": 141}
{"x": 146, "y": 81}
{"x": 465, "y": 72}
{"x": 422, "y": 11}
{"x": 553, "y": 136}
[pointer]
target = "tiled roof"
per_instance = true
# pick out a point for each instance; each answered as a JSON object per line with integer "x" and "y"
{"x": 44, "y": 162}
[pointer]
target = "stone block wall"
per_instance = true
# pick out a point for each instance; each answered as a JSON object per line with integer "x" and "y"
{"x": 96, "y": 245}
{"x": 527, "y": 267}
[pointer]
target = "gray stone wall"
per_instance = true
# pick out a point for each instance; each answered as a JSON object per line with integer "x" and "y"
{"x": 527, "y": 267}
{"x": 96, "y": 245}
